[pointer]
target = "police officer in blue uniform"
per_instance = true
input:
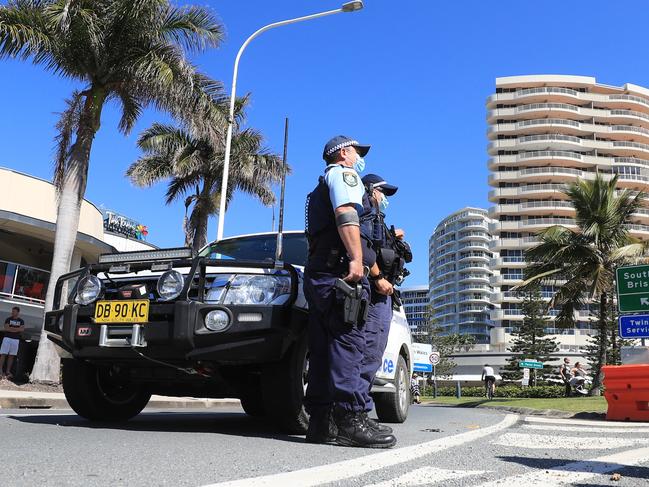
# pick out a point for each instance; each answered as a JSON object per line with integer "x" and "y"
{"x": 338, "y": 258}
{"x": 379, "y": 317}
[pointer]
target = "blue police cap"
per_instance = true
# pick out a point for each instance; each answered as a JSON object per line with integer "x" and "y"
{"x": 378, "y": 182}
{"x": 340, "y": 141}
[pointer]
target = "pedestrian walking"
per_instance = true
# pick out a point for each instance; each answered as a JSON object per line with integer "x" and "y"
{"x": 414, "y": 389}
{"x": 566, "y": 375}
{"x": 13, "y": 328}
{"x": 578, "y": 378}
{"x": 335, "y": 396}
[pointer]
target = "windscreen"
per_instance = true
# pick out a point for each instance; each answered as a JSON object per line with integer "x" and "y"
{"x": 261, "y": 247}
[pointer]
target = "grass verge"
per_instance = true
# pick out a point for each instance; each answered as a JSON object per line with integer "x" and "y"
{"x": 569, "y": 404}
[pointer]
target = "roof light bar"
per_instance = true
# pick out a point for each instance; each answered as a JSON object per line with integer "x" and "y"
{"x": 146, "y": 255}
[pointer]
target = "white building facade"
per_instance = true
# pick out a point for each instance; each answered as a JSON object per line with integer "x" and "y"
{"x": 546, "y": 131}
{"x": 459, "y": 274}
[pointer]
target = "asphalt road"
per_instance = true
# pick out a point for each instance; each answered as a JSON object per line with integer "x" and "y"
{"x": 437, "y": 446}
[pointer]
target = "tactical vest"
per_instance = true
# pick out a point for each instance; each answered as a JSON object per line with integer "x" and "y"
{"x": 326, "y": 249}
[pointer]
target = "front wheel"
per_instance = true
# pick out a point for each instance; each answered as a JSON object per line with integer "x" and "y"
{"x": 393, "y": 407}
{"x": 101, "y": 393}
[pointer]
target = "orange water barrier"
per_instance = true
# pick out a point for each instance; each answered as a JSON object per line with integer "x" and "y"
{"x": 627, "y": 392}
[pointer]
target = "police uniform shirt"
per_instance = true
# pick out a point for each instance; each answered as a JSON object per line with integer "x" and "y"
{"x": 345, "y": 187}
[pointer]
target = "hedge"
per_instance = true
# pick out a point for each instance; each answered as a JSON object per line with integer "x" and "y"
{"x": 501, "y": 391}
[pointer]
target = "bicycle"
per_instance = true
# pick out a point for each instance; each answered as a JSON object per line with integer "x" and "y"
{"x": 490, "y": 384}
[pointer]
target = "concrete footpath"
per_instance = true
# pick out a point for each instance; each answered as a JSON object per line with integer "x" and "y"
{"x": 56, "y": 400}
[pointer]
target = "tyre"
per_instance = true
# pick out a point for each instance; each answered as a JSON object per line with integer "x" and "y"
{"x": 283, "y": 385}
{"x": 393, "y": 408}
{"x": 253, "y": 405}
{"x": 101, "y": 393}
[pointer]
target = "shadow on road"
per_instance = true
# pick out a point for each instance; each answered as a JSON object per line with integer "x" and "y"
{"x": 586, "y": 466}
{"x": 224, "y": 423}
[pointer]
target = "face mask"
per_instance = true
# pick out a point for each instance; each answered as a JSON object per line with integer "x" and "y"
{"x": 359, "y": 165}
{"x": 383, "y": 204}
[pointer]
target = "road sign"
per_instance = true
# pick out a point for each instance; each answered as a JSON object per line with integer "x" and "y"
{"x": 634, "y": 326}
{"x": 530, "y": 364}
{"x": 434, "y": 358}
{"x": 420, "y": 353}
{"x": 526, "y": 377}
{"x": 632, "y": 284}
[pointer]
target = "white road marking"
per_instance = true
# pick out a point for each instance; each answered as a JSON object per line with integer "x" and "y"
{"x": 427, "y": 476}
{"x": 584, "y": 429}
{"x": 360, "y": 466}
{"x": 576, "y": 472}
{"x": 552, "y": 442}
{"x": 585, "y": 422}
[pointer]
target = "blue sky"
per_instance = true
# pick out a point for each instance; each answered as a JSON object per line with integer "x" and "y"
{"x": 410, "y": 78}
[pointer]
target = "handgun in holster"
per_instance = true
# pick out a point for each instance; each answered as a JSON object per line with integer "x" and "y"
{"x": 355, "y": 305}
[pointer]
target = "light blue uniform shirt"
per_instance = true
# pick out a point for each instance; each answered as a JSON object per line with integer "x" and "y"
{"x": 345, "y": 186}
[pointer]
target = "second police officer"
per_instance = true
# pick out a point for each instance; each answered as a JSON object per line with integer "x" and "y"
{"x": 336, "y": 393}
{"x": 375, "y": 203}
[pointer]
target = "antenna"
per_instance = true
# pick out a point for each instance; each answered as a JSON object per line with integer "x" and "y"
{"x": 279, "y": 263}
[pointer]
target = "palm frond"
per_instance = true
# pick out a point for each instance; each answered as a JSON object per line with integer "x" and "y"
{"x": 66, "y": 126}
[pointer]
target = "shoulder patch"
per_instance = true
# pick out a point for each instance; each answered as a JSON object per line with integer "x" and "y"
{"x": 350, "y": 179}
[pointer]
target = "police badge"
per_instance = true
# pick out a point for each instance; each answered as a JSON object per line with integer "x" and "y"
{"x": 350, "y": 179}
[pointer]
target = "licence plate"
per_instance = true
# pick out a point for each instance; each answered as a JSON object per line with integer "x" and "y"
{"x": 131, "y": 311}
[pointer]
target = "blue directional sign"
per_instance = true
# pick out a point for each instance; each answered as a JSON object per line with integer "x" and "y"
{"x": 419, "y": 367}
{"x": 634, "y": 326}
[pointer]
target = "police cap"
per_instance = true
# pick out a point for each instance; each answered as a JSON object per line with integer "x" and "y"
{"x": 340, "y": 141}
{"x": 378, "y": 182}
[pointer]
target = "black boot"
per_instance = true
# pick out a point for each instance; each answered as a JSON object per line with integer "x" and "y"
{"x": 322, "y": 428}
{"x": 376, "y": 426}
{"x": 354, "y": 431}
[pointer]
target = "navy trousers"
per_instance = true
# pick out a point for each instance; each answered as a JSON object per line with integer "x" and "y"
{"x": 377, "y": 330}
{"x": 336, "y": 350}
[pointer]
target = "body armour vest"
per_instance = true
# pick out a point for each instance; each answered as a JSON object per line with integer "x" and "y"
{"x": 325, "y": 243}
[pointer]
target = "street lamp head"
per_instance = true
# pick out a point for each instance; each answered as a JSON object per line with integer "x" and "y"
{"x": 352, "y": 6}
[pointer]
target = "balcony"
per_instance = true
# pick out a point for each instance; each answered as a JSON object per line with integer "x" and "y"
{"x": 23, "y": 283}
{"x": 508, "y": 261}
{"x": 514, "y": 243}
{"x": 507, "y": 279}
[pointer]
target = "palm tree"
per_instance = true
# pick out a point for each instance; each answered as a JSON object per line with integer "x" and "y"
{"x": 585, "y": 260}
{"x": 194, "y": 165}
{"x": 130, "y": 52}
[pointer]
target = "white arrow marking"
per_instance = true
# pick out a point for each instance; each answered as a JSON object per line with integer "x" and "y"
{"x": 644, "y": 301}
{"x": 551, "y": 442}
{"x": 347, "y": 469}
{"x": 576, "y": 472}
{"x": 426, "y": 476}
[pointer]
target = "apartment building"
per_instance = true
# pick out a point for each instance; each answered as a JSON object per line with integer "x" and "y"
{"x": 546, "y": 131}
{"x": 459, "y": 274}
{"x": 415, "y": 304}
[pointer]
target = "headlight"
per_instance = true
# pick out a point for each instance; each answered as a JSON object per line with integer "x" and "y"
{"x": 217, "y": 320}
{"x": 88, "y": 290}
{"x": 260, "y": 289}
{"x": 170, "y": 285}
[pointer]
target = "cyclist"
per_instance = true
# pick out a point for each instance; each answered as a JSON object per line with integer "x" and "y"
{"x": 489, "y": 378}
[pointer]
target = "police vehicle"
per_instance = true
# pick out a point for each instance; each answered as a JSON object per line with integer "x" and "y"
{"x": 228, "y": 322}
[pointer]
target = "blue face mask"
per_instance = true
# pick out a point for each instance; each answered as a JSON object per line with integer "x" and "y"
{"x": 359, "y": 165}
{"x": 383, "y": 204}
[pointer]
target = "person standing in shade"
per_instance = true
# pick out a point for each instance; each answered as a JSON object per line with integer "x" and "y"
{"x": 335, "y": 395}
{"x": 13, "y": 328}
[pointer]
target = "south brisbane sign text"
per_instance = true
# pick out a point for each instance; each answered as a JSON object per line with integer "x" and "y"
{"x": 633, "y": 288}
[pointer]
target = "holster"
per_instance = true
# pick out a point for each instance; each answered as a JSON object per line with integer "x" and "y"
{"x": 355, "y": 304}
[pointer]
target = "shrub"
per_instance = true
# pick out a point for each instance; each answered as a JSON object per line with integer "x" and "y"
{"x": 501, "y": 391}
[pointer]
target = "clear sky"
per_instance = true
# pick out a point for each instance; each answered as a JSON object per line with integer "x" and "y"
{"x": 410, "y": 78}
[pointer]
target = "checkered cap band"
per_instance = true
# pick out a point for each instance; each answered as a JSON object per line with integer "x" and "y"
{"x": 336, "y": 147}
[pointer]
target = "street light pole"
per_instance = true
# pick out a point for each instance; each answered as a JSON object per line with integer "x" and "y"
{"x": 346, "y": 7}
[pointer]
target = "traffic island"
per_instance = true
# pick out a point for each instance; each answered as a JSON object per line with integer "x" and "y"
{"x": 569, "y": 407}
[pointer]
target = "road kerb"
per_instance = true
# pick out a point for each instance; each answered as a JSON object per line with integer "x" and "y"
{"x": 158, "y": 402}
